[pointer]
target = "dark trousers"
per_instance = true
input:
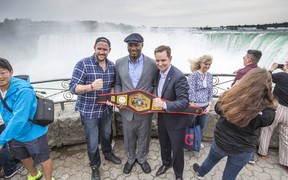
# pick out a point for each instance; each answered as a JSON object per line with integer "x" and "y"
{"x": 172, "y": 141}
{"x": 6, "y": 161}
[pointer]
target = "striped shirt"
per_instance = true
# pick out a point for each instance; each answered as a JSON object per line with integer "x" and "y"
{"x": 85, "y": 72}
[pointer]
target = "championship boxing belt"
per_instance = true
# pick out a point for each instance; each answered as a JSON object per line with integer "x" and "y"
{"x": 141, "y": 102}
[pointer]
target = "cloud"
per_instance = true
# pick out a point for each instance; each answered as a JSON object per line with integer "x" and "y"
{"x": 150, "y": 12}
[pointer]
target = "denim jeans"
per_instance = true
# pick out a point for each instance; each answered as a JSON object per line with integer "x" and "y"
{"x": 95, "y": 128}
{"x": 234, "y": 164}
{"x": 202, "y": 120}
{"x": 6, "y": 161}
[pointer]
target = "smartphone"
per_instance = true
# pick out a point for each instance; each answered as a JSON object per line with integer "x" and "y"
{"x": 280, "y": 66}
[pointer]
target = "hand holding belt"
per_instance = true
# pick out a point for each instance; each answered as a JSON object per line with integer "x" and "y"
{"x": 141, "y": 102}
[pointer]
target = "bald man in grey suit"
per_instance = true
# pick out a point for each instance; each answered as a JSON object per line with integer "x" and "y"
{"x": 135, "y": 72}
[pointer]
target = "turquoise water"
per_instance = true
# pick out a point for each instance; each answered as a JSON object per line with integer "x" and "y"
{"x": 274, "y": 45}
{"x": 56, "y": 54}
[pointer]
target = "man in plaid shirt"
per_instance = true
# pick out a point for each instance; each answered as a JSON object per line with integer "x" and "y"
{"x": 92, "y": 76}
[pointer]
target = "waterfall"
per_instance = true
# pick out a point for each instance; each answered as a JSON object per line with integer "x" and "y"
{"x": 57, "y": 54}
{"x": 273, "y": 45}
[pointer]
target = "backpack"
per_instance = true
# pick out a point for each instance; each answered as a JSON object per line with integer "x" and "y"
{"x": 45, "y": 108}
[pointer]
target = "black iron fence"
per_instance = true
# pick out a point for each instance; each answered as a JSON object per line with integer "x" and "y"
{"x": 58, "y": 89}
{"x": 55, "y": 89}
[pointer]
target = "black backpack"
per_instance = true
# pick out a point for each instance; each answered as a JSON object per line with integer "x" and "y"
{"x": 45, "y": 108}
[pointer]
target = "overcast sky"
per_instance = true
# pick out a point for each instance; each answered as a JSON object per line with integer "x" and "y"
{"x": 176, "y": 13}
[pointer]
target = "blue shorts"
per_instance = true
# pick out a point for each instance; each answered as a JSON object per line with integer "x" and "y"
{"x": 37, "y": 149}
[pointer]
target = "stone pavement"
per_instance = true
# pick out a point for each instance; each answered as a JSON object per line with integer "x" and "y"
{"x": 71, "y": 163}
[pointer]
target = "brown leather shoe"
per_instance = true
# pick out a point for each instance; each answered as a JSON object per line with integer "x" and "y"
{"x": 162, "y": 170}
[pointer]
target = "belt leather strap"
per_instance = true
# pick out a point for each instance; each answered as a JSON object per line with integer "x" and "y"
{"x": 141, "y": 102}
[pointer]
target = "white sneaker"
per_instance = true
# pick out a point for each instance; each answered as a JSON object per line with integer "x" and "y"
{"x": 199, "y": 177}
{"x": 251, "y": 162}
{"x": 195, "y": 168}
{"x": 202, "y": 146}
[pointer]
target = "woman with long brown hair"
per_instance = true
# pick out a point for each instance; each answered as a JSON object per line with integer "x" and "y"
{"x": 246, "y": 107}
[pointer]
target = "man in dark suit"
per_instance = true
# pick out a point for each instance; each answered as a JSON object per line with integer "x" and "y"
{"x": 172, "y": 86}
{"x": 134, "y": 72}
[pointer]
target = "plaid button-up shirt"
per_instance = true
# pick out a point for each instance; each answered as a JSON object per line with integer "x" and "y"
{"x": 85, "y": 72}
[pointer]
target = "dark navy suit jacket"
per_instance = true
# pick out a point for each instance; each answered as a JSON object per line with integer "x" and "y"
{"x": 176, "y": 90}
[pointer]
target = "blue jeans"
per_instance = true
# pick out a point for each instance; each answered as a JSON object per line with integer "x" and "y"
{"x": 202, "y": 120}
{"x": 6, "y": 161}
{"x": 95, "y": 128}
{"x": 234, "y": 164}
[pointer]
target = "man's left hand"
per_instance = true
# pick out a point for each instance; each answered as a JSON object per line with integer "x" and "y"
{"x": 206, "y": 111}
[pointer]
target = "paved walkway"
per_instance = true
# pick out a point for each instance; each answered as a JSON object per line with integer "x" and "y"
{"x": 71, "y": 163}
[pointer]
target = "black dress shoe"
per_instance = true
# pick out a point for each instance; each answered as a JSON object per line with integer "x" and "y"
{"x": 145, "y": 167}
{"x": 127, "y": 168}
{"x": 162, "y": 170}
{"x": 111, "y": 157}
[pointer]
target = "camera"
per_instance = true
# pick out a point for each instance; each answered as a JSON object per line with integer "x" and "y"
{"x": 280, "y": 66}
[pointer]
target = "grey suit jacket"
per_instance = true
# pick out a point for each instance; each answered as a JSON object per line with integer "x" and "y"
{"x": 147, "y": 82}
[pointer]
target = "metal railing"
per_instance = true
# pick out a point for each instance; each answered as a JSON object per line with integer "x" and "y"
{"x": 221, "y": 82}
{"x": 58, "y": 89}
{"x": 55, "y": 89}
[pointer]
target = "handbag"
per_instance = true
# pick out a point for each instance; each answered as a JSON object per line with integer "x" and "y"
{"x": 193, "y": 137}
{"x": 44, "y": 113}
